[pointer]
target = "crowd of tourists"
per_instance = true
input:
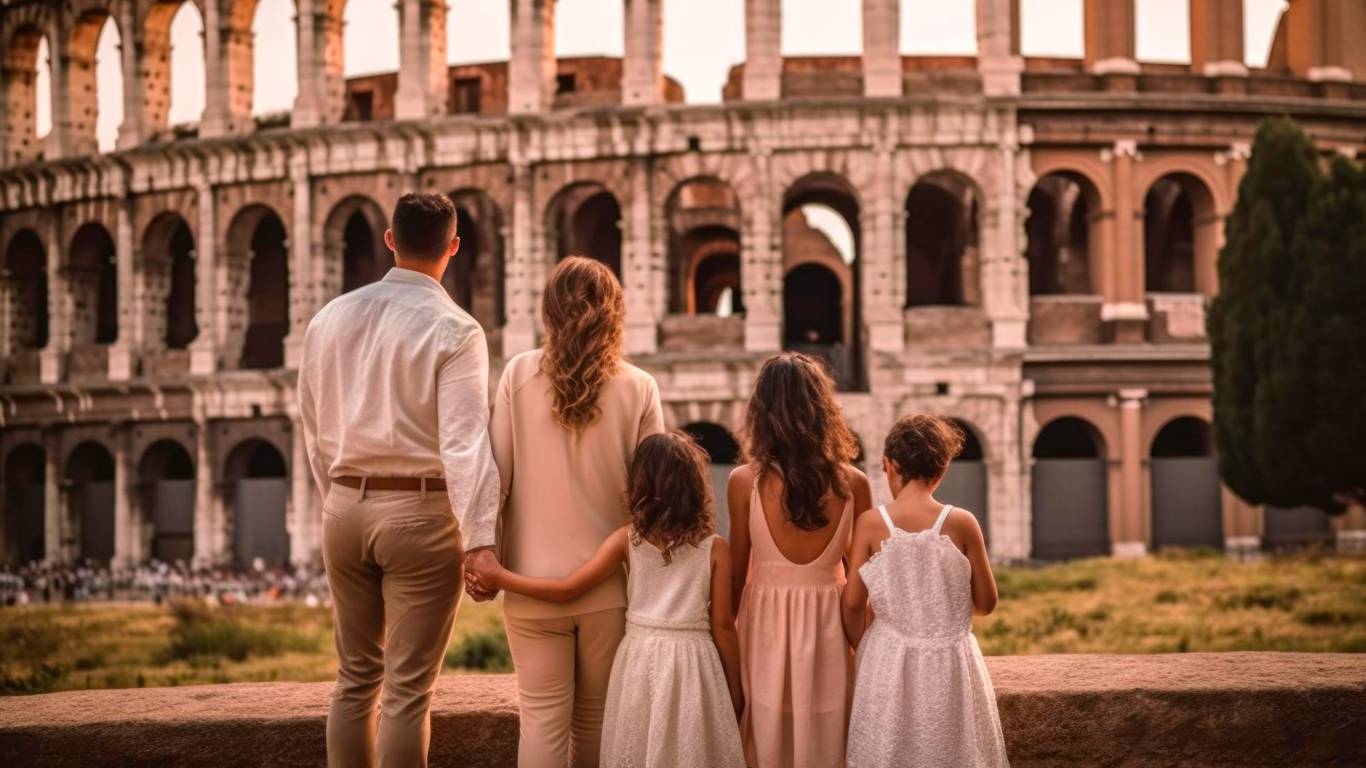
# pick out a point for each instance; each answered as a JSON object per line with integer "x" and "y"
{"x": 158, "y": 582}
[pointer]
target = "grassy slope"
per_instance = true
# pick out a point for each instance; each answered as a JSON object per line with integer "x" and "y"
{"x": 1158, "y": 604}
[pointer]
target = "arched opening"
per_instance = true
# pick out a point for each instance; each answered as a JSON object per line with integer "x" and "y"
{"x": 1052, "y": 28}
{"x": 370, "y": 46}
{"x": 1063, "y": 222}
{"x": 1180, "y": 236}
{"x": 25, "y": 283}
{"x": 965, "y": 482}
{"x": 1185, "y": 486}
{"x": 1069, "y": 492}
{"x": 1162, "y": 31}
{"x": 724, "y": 453}
{"x": 25, "y": 492}
{"x": 27, "y": 75}
{"x": 167, "y": 477}
{"x": 474, "y": 278}
{"x": 89, "y": 481}
{"x": 258, "y": 269}
{"x": 354, "y": 236}
{"x": 258, "y": 479}
{"x": 704, "y": 249}
{"x": 585, "y": 219}
{"x": 168, "y": 277}
{"x": 94, "y": 286}
{"x": 274, "y": 59}
{"x": 95, "y": 83}
{"x": 821, "y": 275}
{"x": 941, "y": 242}
{"x": 172, "y": 63}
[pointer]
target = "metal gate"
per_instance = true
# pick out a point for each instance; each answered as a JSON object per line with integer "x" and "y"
{"x": 95, "y": 503}
{"x": 965, "y": 485}
{"x": 173, "y": 520}
{"x": 1070, "y": 517}
{"x": 259, "y": 521}
{"x": 1186, "y": 507}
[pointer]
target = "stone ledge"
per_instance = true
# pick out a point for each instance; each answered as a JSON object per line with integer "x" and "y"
{"x": 1191, "y": 710}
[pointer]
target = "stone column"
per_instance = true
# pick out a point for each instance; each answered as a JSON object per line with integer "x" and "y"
{"x": 1323, "y": 40}
{"x": 998, "y": 47}
{"x": 881, "y": 48}
{"x": 1216, "y": 29}
{"x": 304, "y": 520}
{"x": 422, "y": 86}
{"x": 1004, "y": 276}
{"x": 642, "y": 79}
{"x": 304, "y": 272}
{"x": 638, "y": 264}
{"x": 61, "y": 141}
{"x": 124, "y": 352}
{"x": 133, "y": 130}
{"x": 207, "y": 500}
{"x": 1125, "y": 310}
{"x": 531, "y": 71}
{"x": 127, "y": 522}
{"x": 522, "y": 252}
{"x": 54, "y": 506}
{"x": 1109, "y": 37}
{"x": 763, "y": 76}
{"x": 53, "y": 357}
{"x": 761, "y": 257}
{"x": 883, "y": 283}
{"x": 204, "y": 349}
{"x": 227, "y": 93}
{"x": 322, "y": 84}
{"x": 1129, "y": 526}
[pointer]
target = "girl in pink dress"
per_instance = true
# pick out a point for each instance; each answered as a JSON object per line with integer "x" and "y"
{"x": 792, "y": 509}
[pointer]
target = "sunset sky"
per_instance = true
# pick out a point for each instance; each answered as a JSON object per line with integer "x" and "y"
{"x": 703, "y": 38}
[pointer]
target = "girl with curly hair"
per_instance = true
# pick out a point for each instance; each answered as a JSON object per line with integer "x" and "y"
{"x": 667, "y": 702}
{"x": 566, "y": 422}
{"x": 792, "y": 508}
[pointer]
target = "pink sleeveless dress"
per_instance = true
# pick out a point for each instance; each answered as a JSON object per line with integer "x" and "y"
{"x": 795, "y": 664}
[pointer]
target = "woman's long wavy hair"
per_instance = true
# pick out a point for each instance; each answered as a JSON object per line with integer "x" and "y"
{"x": 670, "y": 499}
{"x": 583, "y": 312}
{"x": 794, "y": 427}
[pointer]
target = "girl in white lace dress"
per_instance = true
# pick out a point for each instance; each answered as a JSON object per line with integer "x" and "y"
{"x": 674, "y": 695}
{"x": 922, "y": 696}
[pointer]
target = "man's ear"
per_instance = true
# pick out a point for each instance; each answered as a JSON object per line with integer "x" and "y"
{"x": 453, "y": 248}
{"x": 389, "y": 240}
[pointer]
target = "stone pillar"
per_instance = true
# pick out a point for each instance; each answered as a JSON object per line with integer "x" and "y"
{"x": 763, "y": 76}
{"x": 1125, "y": 310}
{"x": 522, "y": 252}
{"x": 531, "y": 71}
{"x": 1109, "y": 37}
{"x": 134, "y": 129}
{"x": 1242, "y": 523}
{"x": 207, "y": 500}
{"x": 227, "y": 75}
{"x": 422, "y": 86}
{"x": 54, "y": 506}
{"x": 1216, "y": 28}
{"x": 638, "y": 263}
{"x": 883, "y": 283}
{"x": 998, "y": 47}
{"x": 1004, "y": 276}
{"x": 53, "y": 357}
{"x": 304, "y": 272}
{"x": 1128, "y": 524}
{"x": 1322, "y": 39}
{"x": 761, "y": 261}
{"x": 204, "y": 349}
{"x": 304, "y": 517}
{"x": 881, "y": 48}
{"x": 128, "y": 523}
{"x": 322, "y": 84}
{"x": 642, "y": 79}
{"x": 123, "y": 354}
{"x": 61, "y": 141}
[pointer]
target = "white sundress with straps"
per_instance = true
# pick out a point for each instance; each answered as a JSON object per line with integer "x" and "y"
{"x": 922, "y": 696}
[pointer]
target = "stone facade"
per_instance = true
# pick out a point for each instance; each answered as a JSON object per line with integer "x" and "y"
{"x": 1026, "y": 245}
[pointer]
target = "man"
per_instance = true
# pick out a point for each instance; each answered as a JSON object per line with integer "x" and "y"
{"x": 393, "y": 395}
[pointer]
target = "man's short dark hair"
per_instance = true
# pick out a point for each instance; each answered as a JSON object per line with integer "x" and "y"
{"x": 423, "y": 224}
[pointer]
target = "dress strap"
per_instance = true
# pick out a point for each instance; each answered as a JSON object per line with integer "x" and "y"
{"x": 943, "y": 515}
{"x": 886, "y": 518}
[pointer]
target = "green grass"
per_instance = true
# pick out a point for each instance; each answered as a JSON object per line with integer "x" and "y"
{"x": 1165, "y": 603}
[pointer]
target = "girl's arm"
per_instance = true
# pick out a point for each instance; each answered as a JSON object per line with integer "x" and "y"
{"x": 723, "y": 622}
{"x": 854, "y": 601}
{"x": 605, "y": 563}
{"x": 737, "y": 497}
{"x": 984, "y": 596}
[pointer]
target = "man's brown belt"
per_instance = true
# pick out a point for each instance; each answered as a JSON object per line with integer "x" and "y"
{"x": 392, "y": 483}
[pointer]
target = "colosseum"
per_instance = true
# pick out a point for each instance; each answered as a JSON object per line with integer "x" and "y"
{"x": 1026, "y": 244}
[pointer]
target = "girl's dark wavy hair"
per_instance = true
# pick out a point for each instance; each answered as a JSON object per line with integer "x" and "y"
{"x": 670, "y": 500}
{"x": 794, "y": 427}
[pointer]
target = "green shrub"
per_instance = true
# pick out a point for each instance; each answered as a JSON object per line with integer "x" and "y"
{"x": 1265, "y": 596}
{"x": 486, "y": 651}
{"x": 203, "y": 636}
{"x": 1017, "y": 582}
{"x": 1329, "y": 617}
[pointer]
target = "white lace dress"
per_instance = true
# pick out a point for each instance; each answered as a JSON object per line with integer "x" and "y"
{"x": 922, "y": 696}
{"x": 667, "y": 702}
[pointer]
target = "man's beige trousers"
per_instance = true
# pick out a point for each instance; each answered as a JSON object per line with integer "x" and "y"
{"x": 395, "y": 567}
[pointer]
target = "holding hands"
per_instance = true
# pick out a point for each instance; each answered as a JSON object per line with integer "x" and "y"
{"x": 481, "y": 574}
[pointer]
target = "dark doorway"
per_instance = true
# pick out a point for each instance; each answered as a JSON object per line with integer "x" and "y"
{"x": 94, "y": 278}
{"x": 181, "y": 325}
{"x": 259, "y": 481}
{"x": 90, "y": 500}
{"x": 25, "y": 505}
{"x": 724, "y": 453}
{"x": 1185, "y": 487}
{"x": 1070, "y": 493}
{"x": 965, "y": 483}
{"x": 26, "y": 266}
{"x": 365, "y": 258}
{"x": 168, "y": 486}
{"x": 941, "y": 227}
{"x": 267, "y": 296}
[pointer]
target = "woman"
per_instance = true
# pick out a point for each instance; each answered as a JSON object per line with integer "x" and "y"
{"x": 792, "y": 509}
{"x": 566, "y": 422}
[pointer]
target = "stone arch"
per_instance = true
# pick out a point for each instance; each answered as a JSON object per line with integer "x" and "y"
{"x": 155, "y": 59}
{"x": 1069, "y": 491}
{"x": 88, "y": 480}
{"x": 1180, "y": 235}
{"x": 1064, "y": 235}
{"x": 26, "y": 292}
{"x": 1184, "y": 485}
{"x": 166, "y": 269}
{"x": 257, "y": 477}
{"x": 93, "y": 283}
{"x": 24, "y": 28}
{"x": 476, "y": 275}
{"x": 245, "y": 56}
{"x": 80, "y": 111}
{"x": 353, "y": 239}
{"x": 24, "y": 533}
{"x": 943, "y": 237}
{"x": 166, "y": 475}
{"x": 703, "y": 221}
{"x": 1087, "y": 169}
{"x": 585, "y": 218}
{"x": 256, "y": 277}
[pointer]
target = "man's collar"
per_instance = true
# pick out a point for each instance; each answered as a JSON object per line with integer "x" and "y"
{"x": 412, "y": 277}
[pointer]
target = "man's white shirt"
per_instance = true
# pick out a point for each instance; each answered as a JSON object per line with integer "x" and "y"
{"x": 394, "y": 383}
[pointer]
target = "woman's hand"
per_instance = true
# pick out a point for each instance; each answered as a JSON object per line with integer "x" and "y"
{"x": 483, "y": 574}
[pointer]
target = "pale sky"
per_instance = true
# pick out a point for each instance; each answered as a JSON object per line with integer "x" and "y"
{"x": 702, "y": 39}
